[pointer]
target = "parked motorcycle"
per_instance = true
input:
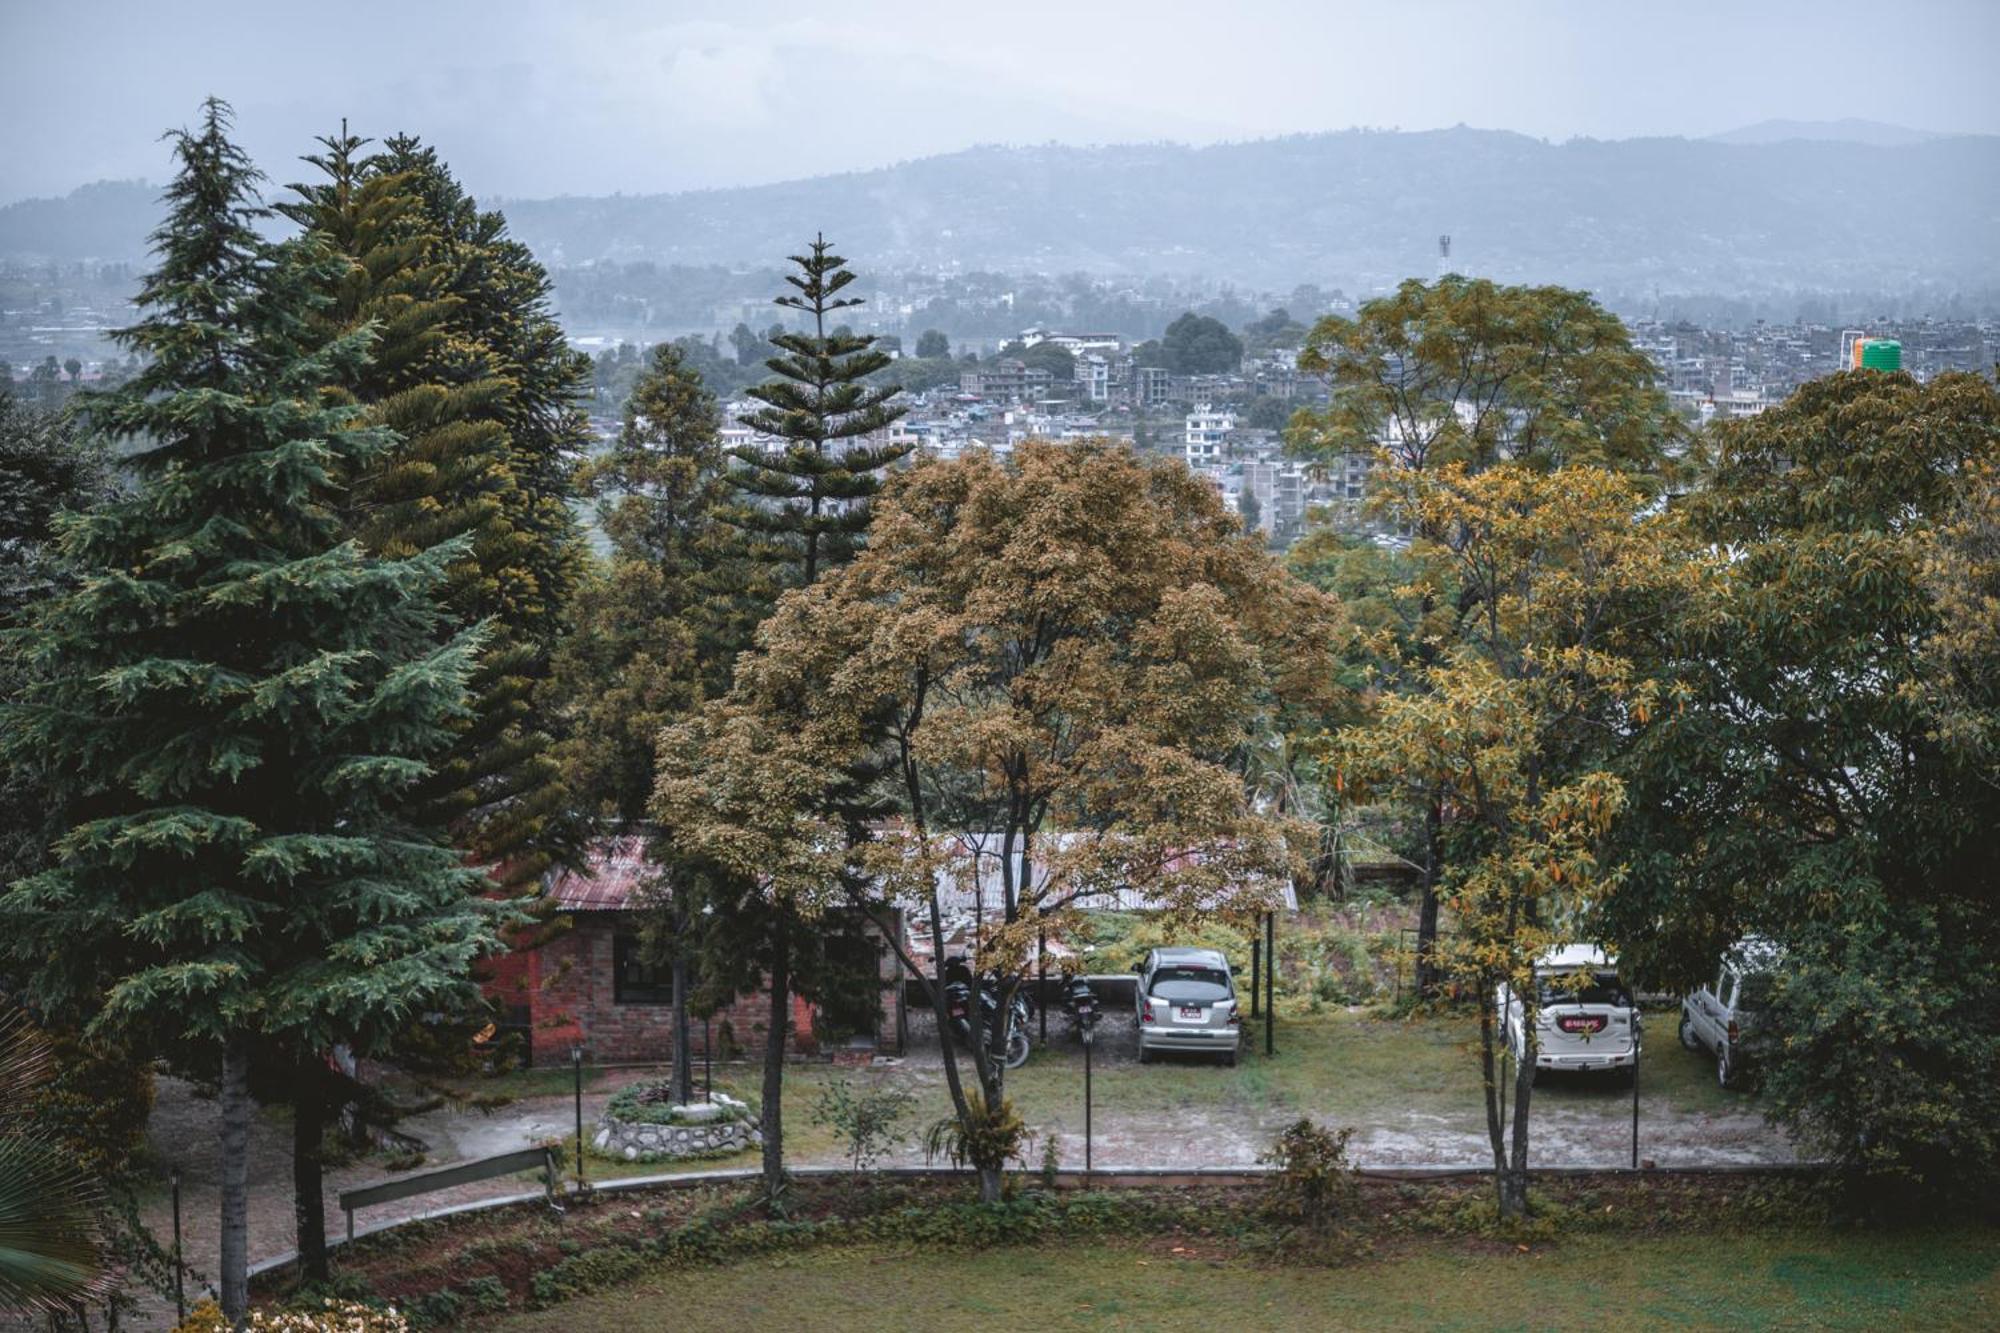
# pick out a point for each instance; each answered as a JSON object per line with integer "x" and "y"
{"x": 1079, "y": 1001}
{"x": 1012, "y": 1047}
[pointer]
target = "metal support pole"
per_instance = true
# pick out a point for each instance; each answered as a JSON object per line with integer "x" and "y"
{"x": 1256, "y": 973}
{"x": 1042, "y": 981}
{"x": 576, "y": 1064}
{"x": 180, "y": 1297}
{"x": 1087, "y": 1044}
{"x": 1635, "y": 1090}
{"x": 1270, "y": 982}
{"x": 707, "y": 1059}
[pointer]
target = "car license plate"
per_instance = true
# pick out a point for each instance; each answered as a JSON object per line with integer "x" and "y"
{"x": 1189, "y": 1014}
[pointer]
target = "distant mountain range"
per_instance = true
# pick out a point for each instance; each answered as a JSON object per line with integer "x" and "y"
{"x": 1780, "y": 206}
{"x": 1878, "y": 133}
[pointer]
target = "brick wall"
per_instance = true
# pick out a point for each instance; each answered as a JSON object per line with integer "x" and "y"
{"x": 568, "y": 985}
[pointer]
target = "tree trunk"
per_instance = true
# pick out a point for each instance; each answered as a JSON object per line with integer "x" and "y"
{"x": 1514, "y": 1186}
{"x": 1429, "y": 975}
{"x": 308, "y": 1181}
{"x": 233, "y": 1102}
{"x": 682, "y": 1079}
{"x": 989, "y": 1184}
{"x": 774, "y": 1059}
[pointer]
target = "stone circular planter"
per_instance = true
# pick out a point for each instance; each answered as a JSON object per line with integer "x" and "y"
{"x": 675, "y": 1133}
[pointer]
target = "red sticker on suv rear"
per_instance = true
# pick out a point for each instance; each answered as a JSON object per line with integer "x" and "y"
{"x": 1582, "y": 1022}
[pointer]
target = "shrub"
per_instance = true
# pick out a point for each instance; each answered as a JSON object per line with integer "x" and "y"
{"x": 1316, "y": 1185}
{"x": 329, "y": 1316}
{"x": 992, "y": 1139}
{"x": 652, "y": 1103}
{"x": 866, "y": 1118}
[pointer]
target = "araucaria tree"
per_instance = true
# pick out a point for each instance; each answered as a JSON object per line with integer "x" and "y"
{"x": 239, "y": 696}
{"x": 804, "y": 503}
{"x": 1038, "y": 672}
{"x": 807, "y": 496}
{"x": 1515, "y": 725}
{"x": 1465, "y": 371}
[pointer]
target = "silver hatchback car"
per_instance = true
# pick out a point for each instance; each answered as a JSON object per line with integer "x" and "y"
{"x": 1187, "y": 1003}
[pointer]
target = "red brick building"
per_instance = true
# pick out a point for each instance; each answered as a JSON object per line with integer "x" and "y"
{"x": 589, "y": 981}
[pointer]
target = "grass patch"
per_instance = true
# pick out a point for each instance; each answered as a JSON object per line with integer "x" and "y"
{"x": 1812, "y": 1279}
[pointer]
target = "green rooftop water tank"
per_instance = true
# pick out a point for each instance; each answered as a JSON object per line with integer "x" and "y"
{"x": 1881, "y": 354}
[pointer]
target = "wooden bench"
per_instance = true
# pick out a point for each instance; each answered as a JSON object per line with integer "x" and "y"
{"x": 463, "y": 1173}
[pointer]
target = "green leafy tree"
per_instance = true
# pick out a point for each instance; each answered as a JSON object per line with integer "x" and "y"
{"x": 933, "y": 343}
{"x": 238, "y": 697}
{"x": 1053, "y": 357}
{"x": 1195, "y": 345}
{"x": 1472, "y": 373}
{"x": 1830, "y": 781}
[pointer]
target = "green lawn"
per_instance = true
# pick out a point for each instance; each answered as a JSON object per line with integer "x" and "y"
{"x": 1940, "y": 1280}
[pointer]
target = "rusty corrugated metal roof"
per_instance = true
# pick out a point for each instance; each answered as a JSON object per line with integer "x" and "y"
{"x": 614, "y": 873}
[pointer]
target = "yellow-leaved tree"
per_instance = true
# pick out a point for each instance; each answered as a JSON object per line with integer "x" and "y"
{"x": 1035, "y": 681}
{"x": 1517, "y": 720}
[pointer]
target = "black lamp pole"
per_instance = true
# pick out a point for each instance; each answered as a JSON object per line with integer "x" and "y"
{"x": 1635, "y": 1090}
{"x": 1270, "y": 981}
{"x": 576, "y": 1065}
{"x": 180, "y": 1299}
{"x": 1089, "y": 1031}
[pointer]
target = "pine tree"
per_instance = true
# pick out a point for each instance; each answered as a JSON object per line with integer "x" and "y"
{"x": 657, "y": 629}
{"x": 240, "y": 696}
{"x": 476, "y": 372}
{"x": 808, "y": 500}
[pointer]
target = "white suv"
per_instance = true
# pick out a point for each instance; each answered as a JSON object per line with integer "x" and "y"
{"x": 1584, "y": 1016}
{"x": 1725, "y": 1016}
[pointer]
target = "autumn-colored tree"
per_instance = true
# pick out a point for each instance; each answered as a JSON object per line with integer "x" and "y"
{"x": 1470, "y": 372}
{"x": 1515, "y": 723}
{"x": 1830, "y": 783}
{"x": 1044, "y": 668}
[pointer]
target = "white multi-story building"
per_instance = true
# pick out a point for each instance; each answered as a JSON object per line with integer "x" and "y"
{"x": 1206, "y": 442}
{"x": 1093, "y": 378}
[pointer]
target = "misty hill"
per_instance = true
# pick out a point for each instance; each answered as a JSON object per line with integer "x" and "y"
{"x": 1354, "y": 209}
{"x": 1846, "y": 130}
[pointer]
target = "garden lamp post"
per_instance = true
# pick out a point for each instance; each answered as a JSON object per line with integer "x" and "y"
{"x": 180, "y": 1298}
{"x": 576, "y": 1067}
{"x": 1635, "y": 1088}
{"x": 1089, "y": 1033}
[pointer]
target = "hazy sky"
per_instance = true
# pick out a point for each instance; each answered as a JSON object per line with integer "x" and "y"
{"x": 529, "y": 99}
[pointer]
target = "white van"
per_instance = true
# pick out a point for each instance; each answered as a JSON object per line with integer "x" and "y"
{"x": 1585, "y": 1018}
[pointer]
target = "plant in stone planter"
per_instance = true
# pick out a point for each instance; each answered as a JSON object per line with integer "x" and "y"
{"x": 643, "y": 1123}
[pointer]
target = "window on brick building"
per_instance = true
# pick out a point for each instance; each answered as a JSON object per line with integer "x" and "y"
{"x": 635, "y": 978}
